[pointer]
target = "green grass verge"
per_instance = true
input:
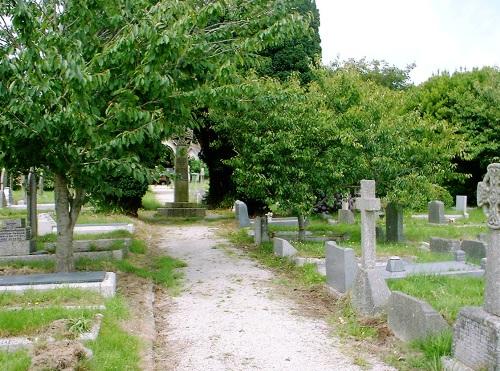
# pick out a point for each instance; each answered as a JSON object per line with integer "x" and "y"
{"x": 60, "y": 296}
{"x": 52, "y": 237}
{"x": 138, "y": 246}
{"x": 41, "y": 266}
{"x": 446, "y": 294}
{"x": 46, "y": 198}
{"x": 15, "y": 361}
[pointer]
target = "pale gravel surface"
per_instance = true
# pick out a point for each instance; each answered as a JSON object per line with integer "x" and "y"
{"x": 227, "y": 318}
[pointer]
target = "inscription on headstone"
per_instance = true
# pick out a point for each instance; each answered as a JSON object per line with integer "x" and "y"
{"x": 15, "y": 238}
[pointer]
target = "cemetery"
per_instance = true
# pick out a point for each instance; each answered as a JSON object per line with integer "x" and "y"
{"x": 202, "y": 185}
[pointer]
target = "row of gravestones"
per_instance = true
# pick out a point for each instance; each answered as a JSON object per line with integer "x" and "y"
{"x": 477, "y": 330}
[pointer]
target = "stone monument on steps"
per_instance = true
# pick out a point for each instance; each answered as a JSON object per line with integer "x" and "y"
{"x": 370, "y": 292}
{"x": 476, "y": 340}
{"x": 181, "y": 207}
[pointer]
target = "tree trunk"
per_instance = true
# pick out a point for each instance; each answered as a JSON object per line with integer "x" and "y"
{"x": 67, "y": 210}
{"x": 302, "y": 228}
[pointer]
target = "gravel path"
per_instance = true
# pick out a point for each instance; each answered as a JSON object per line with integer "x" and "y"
{"x": 227, "y": 318}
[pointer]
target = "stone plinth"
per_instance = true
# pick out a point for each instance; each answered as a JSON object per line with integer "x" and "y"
{"x": 182, "y": 210}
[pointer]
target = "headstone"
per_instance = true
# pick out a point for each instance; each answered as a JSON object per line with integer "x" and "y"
{"x": 341, "y": 267}
{"x": 236, "y": 209}
{"x": 257, "y": 228}
{"x": 242, "y": 214}
{"x": 438, "y": 244}
{"x": 436, "y": 212}
{"x": 380, "y": 233}
{"x": 46, "y": 224}
{"x": 394, "y": 223}
{"x": 476, "y": 340}
{"x": 412, "y": 319}
{"x": 474, "y": 249}
{"x": 15, "y": 238}
{"x": 283, "y": 248}
{"x": 370, "y": 292}
{"x": 31, "y": 195}
{"x": 264, "y": 229}
{"x": 345, "y": 216}
{"x": 483, "y": 263}
{"x": 181, "y": 182}
{"x": 395, "y": 264}
{"x": 202, "y": 174}
{"x": 461, "y": 205}
{"x": 8, "y": 196}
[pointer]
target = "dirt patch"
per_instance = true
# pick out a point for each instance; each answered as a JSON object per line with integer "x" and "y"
{"x": 60, "y": 356}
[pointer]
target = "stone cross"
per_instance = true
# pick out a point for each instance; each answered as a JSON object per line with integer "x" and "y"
{"x": 488, "y": 197}
{"x": 368, "y": 204}
{"x": 31, "y": 203}
{"x": 181, "y": 182}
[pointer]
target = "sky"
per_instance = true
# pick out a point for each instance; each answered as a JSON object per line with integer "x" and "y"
{"x": 436, "y": 35}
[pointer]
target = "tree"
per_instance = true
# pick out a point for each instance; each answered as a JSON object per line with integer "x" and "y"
{"x": 470, "y": 102}
{"x": 84, "y": 84}
{"x": 298, "y": 54}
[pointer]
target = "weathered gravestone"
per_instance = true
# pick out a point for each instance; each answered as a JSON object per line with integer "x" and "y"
{"x": 31, "y": 196}
{"x": 436, "y": 212}
{"x": 241, "y": 212}
{"x": 41, "y": 185}
{"x": 370, "y": 292}
{"x": 260, "y": 230}
{"x": 15, "y": 238}
{"x": 438, "y": 244}
{"x": 345, "y": 216}
{"x": 341, "y": 267}
{"x": 476, "y": 340}
{"x": 3, "y": 184}
{"x": 283, "y": 248}
{"x": 394, "y": 223}
{"x": 474, "y": 249}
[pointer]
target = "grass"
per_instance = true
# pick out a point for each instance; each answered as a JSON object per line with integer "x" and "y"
{"x": 138, "y": 246}
{"x": 349, "y": 324}
{"x": 41, "y": 266}
{"x": 46, "y": 198}
{"x": 52, "y": 237}
{"x": 149, "y": 201}
{"x": 431, "y": 350}
{"x": 114, "y": 348}
{"x": 60, "y": 296}
{"x": 29, "y": 321}
{"x": 446, "y": 294}
{"x": 15, "y": 361}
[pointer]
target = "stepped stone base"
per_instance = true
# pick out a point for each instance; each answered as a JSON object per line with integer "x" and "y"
{"x": 182, "y": 210}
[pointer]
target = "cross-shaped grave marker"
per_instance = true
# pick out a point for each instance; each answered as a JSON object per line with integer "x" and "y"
{"x": 476, "y": 340}
{"x": 370, "y": 292}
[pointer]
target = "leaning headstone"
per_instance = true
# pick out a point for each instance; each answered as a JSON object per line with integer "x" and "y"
{"x": 15, "y": 238}
{"x": 283, "y": 248}
{"x": 476, "y": 340}
{"x": 31, "y": 195}
{"x": 412, "y": 319}
{"x": 3, "y": 184}
{"x": 474, "y": 249}
{"x": 394, "y": 223}
{"x": 436, "y": 212}
{"x": 370, "y": 291}
{"x": 341, "y": 267}
{"x": 242, "y": 214}
{"x": 461, "y": 205}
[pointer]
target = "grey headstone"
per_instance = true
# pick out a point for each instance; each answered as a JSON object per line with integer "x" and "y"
{"x": 264, "y": 229}
{"x": 31, "y": 195}
{"x": 474, "y": 249}
{"x": 380, "y": 233}
{"x": 41, "y": 185}
{"x": 411, "y": 319}
{"x": 346, "y": 217}
{"x": 15, "y": 238}
{"x": 242, "y": 214}
{"x": 459, "y": 255}
{"x": 370, "y": 292}
{"x": 436, "y": 212}
{"x": 341, "y": 267}
{"x": 42, "y": 279}
{"x": 283, "y": 248}
{"x": 461, "y": 204}
{"x": 46, "y": 224}
{"x": 394, "y": 223}
{"x": 437, "y": 244}
{"x": 236, "y": 209}
{"x": 395, "y": 264}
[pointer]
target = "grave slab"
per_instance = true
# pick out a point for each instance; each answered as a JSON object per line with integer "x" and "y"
{"x": 102, "y": 282}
